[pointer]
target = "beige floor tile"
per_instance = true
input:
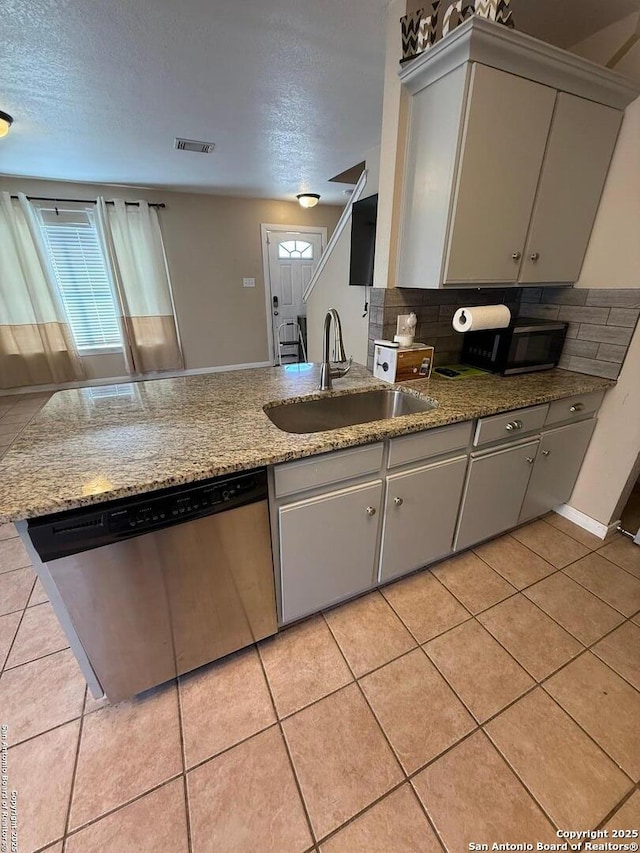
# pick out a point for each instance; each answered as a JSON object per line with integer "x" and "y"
{"x": 425, "y": 606}
{"x": 621, "y": 650}
{"x": 623, "y": 552}
{"x": 576, "y": 532}
{"x": 483, "y": 675}
{"x": 341, "y": 758}
{"x": 538, "y": 643}
{"x": 396, "y": 824}
{"x": 303, "y": 664}
{"x": 369, "y": 632}
{"x": 12, "y": 555}
{"x": 627, "y": 816}
{"x": 125, "y": 750}
{"x": 41, "y": 771}
{"x": 550, "y": 543}
{"x": 8, "y": 628}
{"x": 417, "y": 709}
{"x": 471, "y": 795}
{"x": 608, "y": 581}
{"x": 55, "y": 848}
{"x": 38, "y": 596}
{"x": 572, "y": 778}
{"x": 604, "y": 705}
{"x": 246, "y": 800}
{"x": 223, "y": 703}
{"x": 157, "y": 821}
{"x": 39, "y": 634}
{"x": 91, "y": 704}
{"x": 514, "y": 561}
{"x": 473, "y": 582}
{"x": 636, "y": 619}
{"x": 40, "y": 695}
{"x": 7, "y": 531}
{"x": 15, "y": 589}
{"x": 575, "y": 608}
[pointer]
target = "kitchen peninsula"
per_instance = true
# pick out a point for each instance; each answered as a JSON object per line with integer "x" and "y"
{"x": 144, "y": 509}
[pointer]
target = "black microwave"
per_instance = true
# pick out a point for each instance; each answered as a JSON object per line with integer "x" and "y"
{"x": 527, "y": 344}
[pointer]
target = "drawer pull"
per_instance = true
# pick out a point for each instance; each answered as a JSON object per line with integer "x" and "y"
{"x": 516, "y": 256}
{"x": 398, "y": 501}
{"x": 577, "y": 407}
{"x": 546, "y": 452}
{"x": 535, "y": 256}
{"x": 531, "y": 459}
{"x": 514, "y": 425}
{"x": 371, "y": 510}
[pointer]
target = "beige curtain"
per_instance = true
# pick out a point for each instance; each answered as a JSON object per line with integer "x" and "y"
{"x": 133, "y": 243}
{"x": 36, "y": 345}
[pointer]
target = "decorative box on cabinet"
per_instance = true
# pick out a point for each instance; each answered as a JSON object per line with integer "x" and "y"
{"x": 509, "y": 144}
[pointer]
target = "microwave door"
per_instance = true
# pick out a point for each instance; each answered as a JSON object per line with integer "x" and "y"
{"x": 532, "y": 347}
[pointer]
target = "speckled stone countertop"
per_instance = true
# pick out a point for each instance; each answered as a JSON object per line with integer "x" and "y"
{"x": 90, "y": 445}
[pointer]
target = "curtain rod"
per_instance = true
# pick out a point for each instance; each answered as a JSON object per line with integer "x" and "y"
{"x": 86, "y": 200}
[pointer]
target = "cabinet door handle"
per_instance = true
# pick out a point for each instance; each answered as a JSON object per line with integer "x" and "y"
{"x": 546, "y": 452}
{"x": 514, "y": 425}
{"x": 535, "y": 256}
{"x": 578, "y": 407}
{"x": 531, "y": 459}
{"x": 371, "y": 510}
{"x": 398, "y": 501}
{"x": 516, "y": 256}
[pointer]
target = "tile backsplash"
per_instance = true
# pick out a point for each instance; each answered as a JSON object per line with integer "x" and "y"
{"x": 601, "y": 322}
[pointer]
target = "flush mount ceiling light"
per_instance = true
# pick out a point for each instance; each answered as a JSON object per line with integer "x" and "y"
{"x": 308, "y": 199}
{"x": 5, "y": 123}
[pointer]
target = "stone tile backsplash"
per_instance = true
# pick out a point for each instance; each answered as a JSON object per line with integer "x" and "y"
{"x": 601, "y": 322}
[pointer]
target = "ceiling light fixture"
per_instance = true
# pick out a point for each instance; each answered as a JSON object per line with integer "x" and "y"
{"x": 308, "y": 199}
{"x": 5, "y": 123}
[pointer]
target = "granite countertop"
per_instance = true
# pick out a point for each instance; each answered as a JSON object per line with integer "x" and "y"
{"x": 90, "y": 445}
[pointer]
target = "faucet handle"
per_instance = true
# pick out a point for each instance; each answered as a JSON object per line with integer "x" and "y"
{"x": 342, "y": 371}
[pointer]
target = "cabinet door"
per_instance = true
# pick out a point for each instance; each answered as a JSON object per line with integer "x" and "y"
{"x": 557, "y": 467}
{"x": 581, "y": 143}
{"x": 328, "y": 548}
{"x": 420, "y": 516}
{"x": 495, "y": 490}
{"x": 503, "y": 144}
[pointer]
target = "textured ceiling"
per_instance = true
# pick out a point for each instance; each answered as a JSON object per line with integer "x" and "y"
{"x": 289, "y": 90}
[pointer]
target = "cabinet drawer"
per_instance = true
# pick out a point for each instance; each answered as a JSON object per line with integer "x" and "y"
{"x": 510, "y": 425}
{"x": 327, "y": 468}
{"x": 574, "y": 408}
{"x": 433, "y": 442}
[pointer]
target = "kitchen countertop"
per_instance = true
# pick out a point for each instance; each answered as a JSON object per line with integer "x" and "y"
{"x": 90, "y": 445}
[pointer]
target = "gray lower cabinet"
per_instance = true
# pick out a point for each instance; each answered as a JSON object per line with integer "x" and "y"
{"x": 328, "y": 548}
{"x": 557, "y": 466}
{"x": 494, "y": 493}
{"x": 420, "y": 516}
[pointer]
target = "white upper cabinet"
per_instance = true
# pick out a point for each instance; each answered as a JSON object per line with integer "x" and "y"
{"x": 508, "y": 147}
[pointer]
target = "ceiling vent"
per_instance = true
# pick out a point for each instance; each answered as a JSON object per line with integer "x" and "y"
{"x": 193, "y": 145}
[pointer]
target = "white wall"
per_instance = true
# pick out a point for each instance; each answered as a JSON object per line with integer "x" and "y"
{"x": 613, "y": 260}
{"x": 332, "y": 288}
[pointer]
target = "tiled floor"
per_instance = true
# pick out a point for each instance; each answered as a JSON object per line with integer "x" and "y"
{"x": 16, "y": 410}
{"x": 492, "y": 699}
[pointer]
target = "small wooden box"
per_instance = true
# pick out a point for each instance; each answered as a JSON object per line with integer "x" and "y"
{"x": 399, "y": 364}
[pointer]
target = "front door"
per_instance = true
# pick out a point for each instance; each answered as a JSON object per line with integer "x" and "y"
{"x": 292, "y": 256}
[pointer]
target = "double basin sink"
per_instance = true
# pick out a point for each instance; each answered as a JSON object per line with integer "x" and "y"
{"x": 361, "y": 407}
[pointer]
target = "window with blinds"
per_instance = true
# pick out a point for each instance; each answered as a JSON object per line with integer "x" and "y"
{"x": 80, "y": 270}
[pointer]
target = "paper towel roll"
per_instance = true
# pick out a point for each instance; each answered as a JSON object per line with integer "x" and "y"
{"x": 481, "y": 317}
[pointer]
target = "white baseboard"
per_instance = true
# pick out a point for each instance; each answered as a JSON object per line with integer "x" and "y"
{"x": 119, "y": 380}
{"x": 602, "y": 531}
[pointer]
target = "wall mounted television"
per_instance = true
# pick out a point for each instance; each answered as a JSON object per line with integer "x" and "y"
{"x": 363, "y": 241}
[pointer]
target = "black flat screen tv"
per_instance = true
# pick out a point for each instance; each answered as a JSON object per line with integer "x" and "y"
{"x": 363, "y": 241}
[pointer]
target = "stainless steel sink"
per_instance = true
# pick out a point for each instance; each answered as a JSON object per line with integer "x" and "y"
{"x": 346, "y": 410}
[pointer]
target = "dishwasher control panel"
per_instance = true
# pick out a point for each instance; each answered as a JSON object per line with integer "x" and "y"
{"x": 78, "y": 530}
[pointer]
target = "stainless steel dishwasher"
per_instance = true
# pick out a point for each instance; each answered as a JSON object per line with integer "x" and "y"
{"x": 158, "y": 584}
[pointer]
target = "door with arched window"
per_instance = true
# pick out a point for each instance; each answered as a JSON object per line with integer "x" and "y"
{"x": 292, "y": 258}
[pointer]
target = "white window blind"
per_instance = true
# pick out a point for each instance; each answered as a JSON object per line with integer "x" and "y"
{"x": 79, "y": 267}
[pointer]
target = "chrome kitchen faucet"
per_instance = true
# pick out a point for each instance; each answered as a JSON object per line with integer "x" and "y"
{"x": 327, "y": 373}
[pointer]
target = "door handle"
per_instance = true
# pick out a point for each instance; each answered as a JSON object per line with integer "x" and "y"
{"x": 546, "y": 452}
{"x": 371, "y": 510}
{"x": 531, "y": 459}
{"x": 398, "y": 501}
